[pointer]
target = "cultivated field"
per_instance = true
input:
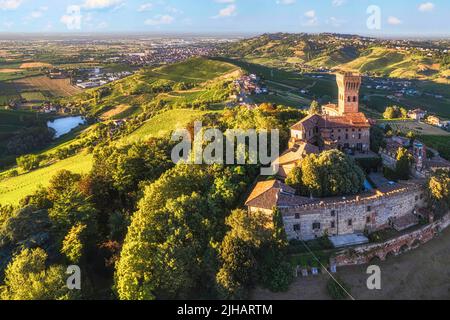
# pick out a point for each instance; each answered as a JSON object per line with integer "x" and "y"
{"x": 417, "y": 127}
{"x": 56, "y": 87}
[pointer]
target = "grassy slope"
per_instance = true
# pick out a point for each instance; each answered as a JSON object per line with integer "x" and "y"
{"x": 163, "y": 124}
{"x": 12, "y": 190}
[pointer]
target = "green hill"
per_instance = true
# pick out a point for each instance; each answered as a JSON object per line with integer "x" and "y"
{"x": 188, "y": 85}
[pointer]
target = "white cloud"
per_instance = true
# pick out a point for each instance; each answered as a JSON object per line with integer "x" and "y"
{"x": 426, "y": 7}
{"x": 10, "y": 4}
{"x": 101, "y": 4}
{"x": 312, "y": 18}
{"x": 146, "y": 7}
{"x": 394, "y": 21}
{"x": 159, "y": 20}
{"x": 224, "y": 1}
{"x": 335, "y": 22}
{"x": 286, "y": 2}
{"x": 38, "y": 13}
{"x": 227, "y": 11}
{"x": 338, "y": 3}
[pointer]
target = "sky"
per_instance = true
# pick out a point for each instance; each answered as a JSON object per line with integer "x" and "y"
{"x": 365, "y": 17}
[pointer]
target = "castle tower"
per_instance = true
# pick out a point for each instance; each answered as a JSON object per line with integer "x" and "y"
{"x": 349, "y": 85}
{"x": 420, "y": 154}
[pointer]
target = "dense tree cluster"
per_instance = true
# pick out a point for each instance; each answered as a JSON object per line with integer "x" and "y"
{"x": 30, "y": 139}
{"x": 395, "y": 112}
{"x": 332, "y": 173}
{"x": 439, "y": 190}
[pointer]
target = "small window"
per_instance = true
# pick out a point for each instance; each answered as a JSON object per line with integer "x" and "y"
{"x": 296, "y": 227}
{"x": 417, "y": 198}
{"x": 360, "y": 136}
{"x": 297, "y": 216}
{"x": 316, "y": 226}
{"x": 333, "y": 224}
{"x": 333, "y": 213}
{"x": 350, "y": 222}
{"x": 369, "y": 209}
{"x": 368, "y": 220}
{"x": 421, "y": 196}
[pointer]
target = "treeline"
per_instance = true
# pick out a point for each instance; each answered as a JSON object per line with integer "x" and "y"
{"x": 142, "y": 228}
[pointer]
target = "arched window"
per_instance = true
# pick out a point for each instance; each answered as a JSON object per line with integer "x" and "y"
{"x": 354, "y": 99}
{"x": 349, "y": 99}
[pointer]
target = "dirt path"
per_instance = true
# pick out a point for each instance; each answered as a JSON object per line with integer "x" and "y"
{"x": 422, "y": 274}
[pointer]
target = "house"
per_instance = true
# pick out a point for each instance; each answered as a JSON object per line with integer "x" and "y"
{"x": 417, "y": 114}
{"x": 434, "y": 121}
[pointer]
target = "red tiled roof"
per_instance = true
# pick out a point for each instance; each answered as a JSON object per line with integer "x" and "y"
{"x": 268, "y": 194}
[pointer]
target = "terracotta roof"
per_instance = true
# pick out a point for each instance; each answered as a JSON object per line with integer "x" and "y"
{"x": 351, "y": 120}
{"x": 348, "y": 120}
{"x": 309, "y": 121}
{"x": 268, "y": 194}
{"x": 297, "y": 153}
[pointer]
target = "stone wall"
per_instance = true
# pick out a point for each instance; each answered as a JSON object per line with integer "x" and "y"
{"x": 370, "y": 253}
{"x": 354, "y": 215}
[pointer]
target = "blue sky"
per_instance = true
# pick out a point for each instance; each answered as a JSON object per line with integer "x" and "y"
{"x": 397, "y": 17}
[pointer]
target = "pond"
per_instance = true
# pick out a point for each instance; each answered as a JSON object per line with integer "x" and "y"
{"x": 63, "y": 126}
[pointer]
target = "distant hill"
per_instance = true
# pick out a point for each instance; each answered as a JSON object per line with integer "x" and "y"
{"x": 374, "y": 57}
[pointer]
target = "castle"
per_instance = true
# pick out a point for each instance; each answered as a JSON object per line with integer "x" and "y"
{"x": 340, "y": 127}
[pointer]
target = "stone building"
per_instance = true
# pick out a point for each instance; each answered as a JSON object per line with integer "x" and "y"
{"x": 343, "y": 127}
{"x": 394, "y": 205}
{"x": 339, "y": 126}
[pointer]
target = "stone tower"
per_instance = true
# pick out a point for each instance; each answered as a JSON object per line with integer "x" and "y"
{"x": 349, "y": 85}
{"x": 420, "y": 154}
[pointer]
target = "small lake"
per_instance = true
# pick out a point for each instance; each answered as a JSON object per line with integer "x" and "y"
{"x": 63, "y": 126}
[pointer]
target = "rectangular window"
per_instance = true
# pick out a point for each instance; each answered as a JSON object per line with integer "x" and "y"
{"x": 368, "y": 220}
{"x": 316, "y": 226}
{"x": 333, "y": 224}
{"x": 297, "y": 216}
{"x": 350, "y": 222}
{"x": 333, "y": 213}
{"x": 296, "y": 227}
{"x": 369, "y": 209}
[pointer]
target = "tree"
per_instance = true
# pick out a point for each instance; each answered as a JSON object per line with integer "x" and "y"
{"x": 332, "y": 173}
{"x": 315, "y": 108}
{"x": 439, "y": 189}
{"x": 377, "y": 140}
{"x": 28, "y": 162}
{"x": 28, "y": 278}
{"x": 403, "y": 165}
{"x": 395, "y": 112}
{"x": 389, "y": 113}
{"x": 295, "y": 179}
{"x": 73, "y": 244}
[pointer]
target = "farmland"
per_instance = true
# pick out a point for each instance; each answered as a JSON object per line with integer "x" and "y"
{"x": 419, "y": 128}
{"x": 56, "y": 87}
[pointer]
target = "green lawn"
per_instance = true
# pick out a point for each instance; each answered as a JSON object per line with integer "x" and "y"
{"x": 12, "y": 190}
{"x": 195, "y": 70}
